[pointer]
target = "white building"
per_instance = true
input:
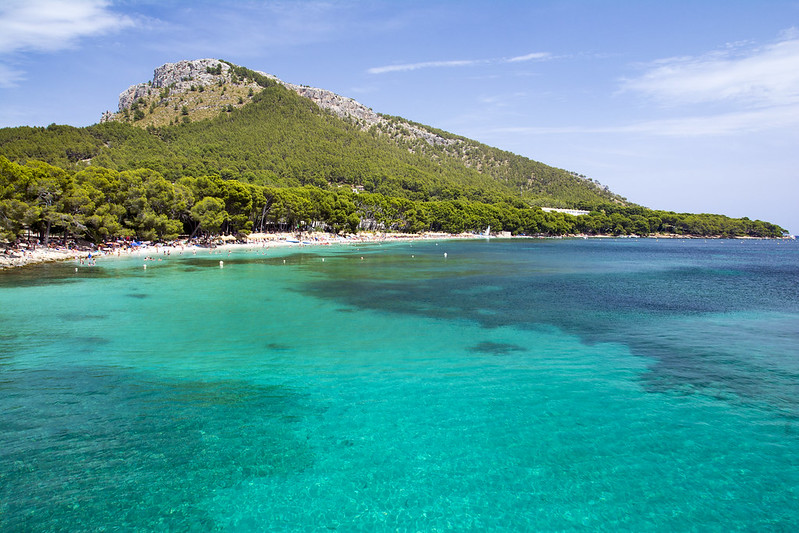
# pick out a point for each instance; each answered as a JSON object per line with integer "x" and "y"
{"x": 575, "y": 212}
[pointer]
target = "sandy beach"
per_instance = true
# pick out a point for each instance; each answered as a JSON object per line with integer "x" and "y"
{"x": 17, "y": 257}
{"x": 12, "y": 258}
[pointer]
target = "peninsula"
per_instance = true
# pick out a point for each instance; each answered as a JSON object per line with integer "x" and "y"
{"x": 208, "y": 148}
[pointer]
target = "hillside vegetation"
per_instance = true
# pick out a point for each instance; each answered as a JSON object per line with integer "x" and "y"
{"x": 243, "y": 151}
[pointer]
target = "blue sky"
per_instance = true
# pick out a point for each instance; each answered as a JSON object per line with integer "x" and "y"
{"x": 681, "y": 105}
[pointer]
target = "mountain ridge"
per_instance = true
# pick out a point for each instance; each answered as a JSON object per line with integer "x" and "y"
{"x": 183, "y": 75}
{"x": 199, "y": 77}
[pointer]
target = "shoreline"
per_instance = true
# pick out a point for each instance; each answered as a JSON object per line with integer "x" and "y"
{"x": 20, "y": 258}
{"x": 15, "y": 258}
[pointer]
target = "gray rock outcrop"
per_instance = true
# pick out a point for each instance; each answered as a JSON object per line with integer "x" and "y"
{"x": 178, "y": 77}
{"x": 182, "y": 76}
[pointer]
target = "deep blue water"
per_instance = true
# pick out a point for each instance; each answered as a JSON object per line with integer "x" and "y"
{"x": 519, "y": 385}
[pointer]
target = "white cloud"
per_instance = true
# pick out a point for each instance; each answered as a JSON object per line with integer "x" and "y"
{"x": 49, "y": 25}
{"x": 425, "y": 64}
{"x": 758, "y": 76}
{"x": 457, "y": 63}
{"x": 530, "y": 57}
{"x": 723, "y": 124}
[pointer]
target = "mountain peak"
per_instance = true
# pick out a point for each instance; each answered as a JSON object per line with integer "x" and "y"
{"x": 179, "y": 77}
{"x": 195, "y": 75}
{"x": 199, "y": 89}
{"x": 174, "y": 83}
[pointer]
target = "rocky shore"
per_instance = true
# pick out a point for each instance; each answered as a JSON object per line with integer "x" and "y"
{"x": 11, "y": 257}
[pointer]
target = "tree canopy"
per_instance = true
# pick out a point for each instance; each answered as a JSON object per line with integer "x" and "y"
{"x": 97, "y": 204}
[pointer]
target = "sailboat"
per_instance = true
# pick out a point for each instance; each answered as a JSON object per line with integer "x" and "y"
{"x": 487, "y": 233}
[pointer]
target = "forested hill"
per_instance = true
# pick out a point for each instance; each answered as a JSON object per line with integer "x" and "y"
{"x": 211, "y": 146}
{"x": 208, "y": 116}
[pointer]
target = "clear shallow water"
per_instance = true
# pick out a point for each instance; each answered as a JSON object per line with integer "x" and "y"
{"x": 517, "y": 385}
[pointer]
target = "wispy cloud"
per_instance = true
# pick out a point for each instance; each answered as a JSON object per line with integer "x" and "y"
{"x": 722, "y": 124}
{"x": 425, "y": 64}
{"x": 10, "y": 77}
{"x": 535, "y": 56}
{"x": 757, "y": 76}
{"x": 49, "y": 25}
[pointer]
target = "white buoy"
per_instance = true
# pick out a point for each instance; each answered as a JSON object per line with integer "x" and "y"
{"x": 445, "y": 255}
{"x": 145, "y": 267}
{"x": 76, "y": 269}
{"x": 323, "y": 259}
{"x": 221, "y": 264}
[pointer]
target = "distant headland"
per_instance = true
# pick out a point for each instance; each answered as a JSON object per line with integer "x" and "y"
{"x": 208, "y": 148}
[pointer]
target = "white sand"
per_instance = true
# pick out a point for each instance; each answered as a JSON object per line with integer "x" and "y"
{"x": 16, "y": 258}
{"x": 254, "y": 241}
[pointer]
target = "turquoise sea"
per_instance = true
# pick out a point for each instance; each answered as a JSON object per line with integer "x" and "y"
{"x": 511, "y": 385}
